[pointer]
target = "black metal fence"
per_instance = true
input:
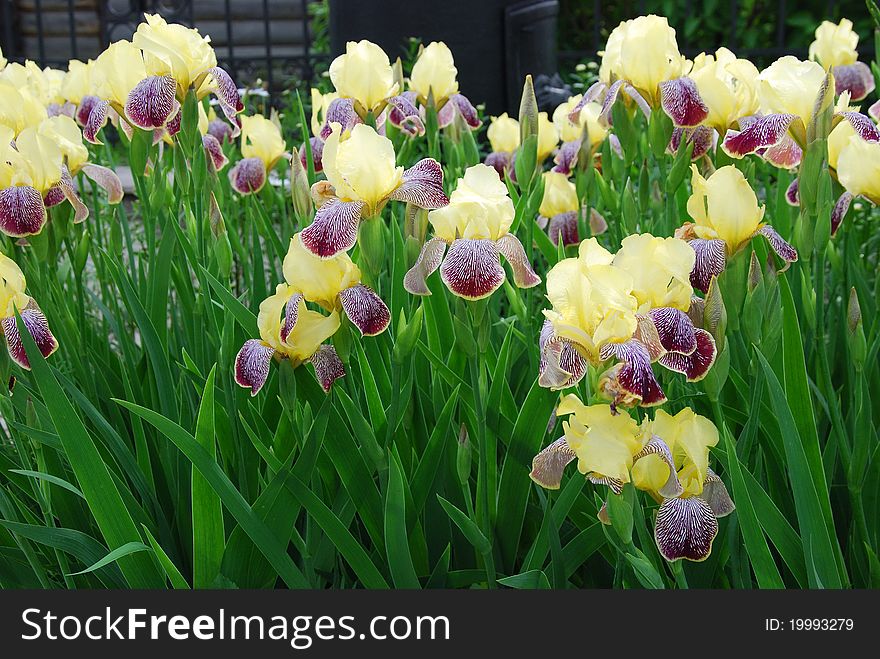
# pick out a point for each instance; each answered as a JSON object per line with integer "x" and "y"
{"x": 273, "y": 40}
{"x": 267, "y": 40}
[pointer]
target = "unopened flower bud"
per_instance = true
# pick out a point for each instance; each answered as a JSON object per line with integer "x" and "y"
{"x": 299, "y": 187}
{"x": 463, "y": 456}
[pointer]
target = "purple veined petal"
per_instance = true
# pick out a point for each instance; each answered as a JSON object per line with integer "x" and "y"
{"x": 472, "y": 269}
{"x": 675, "y": 329}
{"x": 248, "y": 176}
{"x": 549, "y": 465}
{"x": 328, "y": 367}
{"x": 616, "y": 147}
{"x": 758, "y": 133}
{"x": 365, "y": 309}
{"x": 547, "y": 334}
{"x": 37, "y": 326}
{"x": 598, "y": 224}
{"x": 445, "y": 115}
{"x": 500, "y": 160}
{"x": 53, "y": 196}
{"x": 874, "y": 111}
{"x": 512, "y": 249}
{"x": 429, "y": 260}
{"x": 221, "y": 130}
{"x": 640, "y": 101}
{"x": 602, "y": 515}
{"x": 227, "y": 95}
{"x": 317, "y": 147}
{"x": 561, "y": 365}
{"x": 696, "y": 310}
{"x": 291, "y": 315}
{"x": 106, "y": 180}
{"x": 80, "y": 210}
{"x": 566, "y": 157}
{"x": 696, "y": 365}
{"x": 84, "y": 109}
{"x": 564, "y": 227}
{"x": 792, "y": 193}
{"x": 405, "y": 115}
{"x": 710, "y": 262}
{"x": 681, "y": 100}
{"x": 864, "y": 127}
{"x": 779, "y": 245}
{"x": 702, "y": 137}
{"x": 466, "y": 109}
{"x": 252, "y": 365}
{"x": 685, "y": 528}
{"x": 785, "y": 154}
{"x": 656, "y": 446}
{"x": 96, "y": 119}
{"x": 172, "y": 128}
{"x": 334, "y": 229}
{"x": 152, "y": 102}
{"x": 214, "y": 152}
{"x": 838, "y": 213}
{"x": 716, "y": 495}
{"x": 596, "y": 90}
{"x": 340, "y": 111}
{"x": 22, "y": 212}
{"x": 636, "y": 375}
{"x": 648, "y": 335}
{"x": 613, "y": 484}
{"x": 856, "y": 79}
{"x": 422, "y": 185}
{"x": 608, "y": 102}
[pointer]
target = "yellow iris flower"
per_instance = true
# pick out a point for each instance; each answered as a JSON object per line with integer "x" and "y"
{"x": 689, "y": 437}
{"x": 176, "y": 50}
{"x": 364, "y": 74}
{"x": 728, "y": 86}
{"x": 660, "y": 268}
{"x": 361, "y": 167}
{"x": 261, "y": 138}
{"x": 724, "y": 206}
{"x": 35, "y": 160}
{"x": 835, "y": 45}
{"x": 434, "y": 73}
{"x": 20, "y": 108}
{"x": 479, "y": 208}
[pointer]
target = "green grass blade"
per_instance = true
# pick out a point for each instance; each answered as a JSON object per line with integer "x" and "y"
{"x": 400, "y": 561}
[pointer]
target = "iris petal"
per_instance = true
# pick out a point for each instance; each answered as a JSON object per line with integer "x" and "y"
{"x": 37, "y": 326}
{"x": 365, "y": 309}
{"x": 696, "y": 365}
{"x": 636, "y": 375}
{"x": 856, "y": 79}
{"x": 838, "y": 213}
{"x": 334, "y": 229}
{"x": 152, "y": 103}
{"x": 106, "y": 179}
{"x": 549, "y": 464}
{"x": 759, "y": 133}
{"x": 471, "y": 268}
{"x": 248, "y": 176}
{"x": 685, "y": 528}
{"x": 422, "y": 185}
{"x": 512, "y": 249}
{"x": 782, "y": 248}
{"x": 656, "y": 446}
{"x": 429, "y": 260}
{"x": 22, "y": 212}
{"x": 680, "y": 100}
{"x": 252, "y": 365}
{"x": 710, "y": 262}
{"x": 328, "y": 366}
{"x": 675, "y": 330}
